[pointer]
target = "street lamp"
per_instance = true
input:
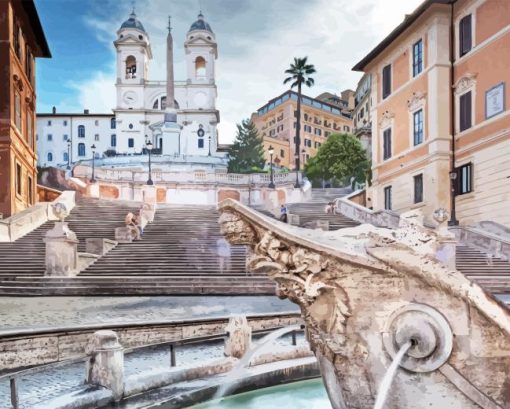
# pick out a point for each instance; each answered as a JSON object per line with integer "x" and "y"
{"x": 453, "y": 220}
{"x": 93, "y": 179}
{"x": 271, "y": 152}
{"x": 209, "y": 146}
{"x": 149, "y": 149}
{"x": 296, "y": 160}
{"x": 68, "y": 154}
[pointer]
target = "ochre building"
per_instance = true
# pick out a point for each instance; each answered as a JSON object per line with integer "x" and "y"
{"x": 443, "y": 71}
{"x": 276, "y": 124}
{"x": 21, "y": 41}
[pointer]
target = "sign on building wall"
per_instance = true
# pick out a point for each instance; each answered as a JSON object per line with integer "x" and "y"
{"x": 495, "y": 100}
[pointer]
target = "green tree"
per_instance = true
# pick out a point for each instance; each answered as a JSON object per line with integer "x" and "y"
{"x": 341, "y": 157}
{"x": 300, "y": 73}
{"x": 246, "y": 155}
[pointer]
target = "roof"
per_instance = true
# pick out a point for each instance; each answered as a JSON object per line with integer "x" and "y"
{"x": 132, "y": 22}
{"x": 408, "y": 21}
{"x": 37, "y": 28}
{"x": 58, "y": 114}
{"x": 200, "y": 24}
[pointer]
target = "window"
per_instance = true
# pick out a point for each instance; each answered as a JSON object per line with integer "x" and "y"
{"x": 130, "y": 126}
{"x": 30, "y": 191}
{"x": 81, "y": 131}
{"x": 30, "y": 129}
{"x": 418, "y": 188}
{"x": 113, "y": 124}
{"x": 50, "y": 137}
{"x": 81, "y": 149}
{"x": 17, "y": 41}
{"x": 113, "y": 140}
{"x": 418, "y": 127}
{"x": 131, "y": 143}
{"x": 65, "y": 138}
{"x": 346, "y": 128}
{"x": 65, "y": 123}
{"x": 96, "y": 122}
{"x": 282, "y": 153}
{"x": 65, "y": 157}
{"x": 17, "y": 110}
{"x": 130, "y": 67}
{"x": 96, "y": 137}
{"x": 465, "y": 35}
{"x": 464, "y": 179}
{"x": 50, "y": 157}
{"x": 308, "y": 128}
{"x": 318, "y": 131}
{"x": 465, "y": 111}
{"x": 200, "y": 67}
{"x": 29, "y": 65}
{"x": 200, "y": 142}
{"x": 49, "y": 123}
{"x": 18, "y": 179}
{"x": 386, "y": 84}
{"x": 387, "y": 197}
{"x": 417, "y": 58}
{"x": 387, "y": 143}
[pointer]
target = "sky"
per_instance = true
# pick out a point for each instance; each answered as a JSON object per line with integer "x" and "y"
{"x": 257, "y": 40}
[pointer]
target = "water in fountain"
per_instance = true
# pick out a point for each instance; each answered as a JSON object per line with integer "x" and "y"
{"x": 238, "y": 370}
{"x": 385, "y": 385}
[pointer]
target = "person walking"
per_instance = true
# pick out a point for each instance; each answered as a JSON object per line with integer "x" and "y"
{"x": 283, "y": 213}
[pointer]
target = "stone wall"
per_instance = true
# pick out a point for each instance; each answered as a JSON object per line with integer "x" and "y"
{"x": 45, "y": 347}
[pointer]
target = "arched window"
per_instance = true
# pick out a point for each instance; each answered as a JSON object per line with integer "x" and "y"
{"x": 66, "y": 157}
{"x": 200, "y": 134}
{"x": 81, "y": 149}
{"x": 81, "y": 131}
{"x": 200, "y": 68}
{"x": 156, "y": 104}
{"x": 50, "y": 157}
{"x": 163, "y": 103}
{"x": 113, "y": 123}
{"x": 130, "y": 67}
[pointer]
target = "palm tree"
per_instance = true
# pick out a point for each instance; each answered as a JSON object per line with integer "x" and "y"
{"x": 300, "y": 73}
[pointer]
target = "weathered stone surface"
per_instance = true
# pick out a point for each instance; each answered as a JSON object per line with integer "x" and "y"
{"x": 124, "y": 235}
{"x": 61, "y": 251}
{"x": 99, "y": 246}
{"x": 366, "y": 291}
{"x": 238, "y": 338}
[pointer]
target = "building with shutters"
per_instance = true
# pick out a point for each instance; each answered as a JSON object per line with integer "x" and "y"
{"x": 22, "y": 40}
{"x": 440, "y": 116}
{"x": 276, "y": 124}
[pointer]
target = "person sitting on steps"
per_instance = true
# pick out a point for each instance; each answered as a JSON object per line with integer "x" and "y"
{"x": 132, "y": 226}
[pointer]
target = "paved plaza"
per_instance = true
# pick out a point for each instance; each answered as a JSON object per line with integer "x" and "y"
{"x": 39, "y": 313}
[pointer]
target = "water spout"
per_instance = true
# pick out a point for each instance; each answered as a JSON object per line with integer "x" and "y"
{"x": 385, "y": 385}
{"x": 244, "y": 362}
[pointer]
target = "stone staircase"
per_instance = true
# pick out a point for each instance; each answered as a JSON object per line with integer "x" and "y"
{"x": 313, "y": 210}
{"x": 492, "y": 273}
{"x": 180, "y": 253}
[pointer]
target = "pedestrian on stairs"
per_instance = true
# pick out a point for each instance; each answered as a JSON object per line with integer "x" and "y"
{"x": 132, "y": 226}
{"x": 283, "y": 214}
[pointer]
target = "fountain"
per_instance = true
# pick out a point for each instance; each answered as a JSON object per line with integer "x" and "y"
{"x": 240, "y": 367}
{"x": 365, "y": 293}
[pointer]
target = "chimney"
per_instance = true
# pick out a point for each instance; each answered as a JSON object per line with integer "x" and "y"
{"x": 54, "y": 110}
{"x": 86, "y": 111}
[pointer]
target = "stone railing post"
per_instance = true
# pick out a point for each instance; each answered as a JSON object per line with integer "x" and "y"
{"x": 149, "y": 197}
{"x": 106, "y": 364}
{"x": 446, "y": 241}
{"x": 238, "y": 340}
{"x": 61, "y": 251}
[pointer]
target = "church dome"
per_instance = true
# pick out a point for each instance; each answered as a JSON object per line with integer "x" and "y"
{"x": 200, "y": 24}
{"x": 132, "y": 22}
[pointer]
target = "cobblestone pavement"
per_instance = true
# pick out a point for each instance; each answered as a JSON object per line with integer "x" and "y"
{"x": 19, "y": 313}
{"x": 46, "y": 385}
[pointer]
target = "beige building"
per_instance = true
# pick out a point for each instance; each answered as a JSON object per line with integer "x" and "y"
{"x": 361, "y": 114}
{"x": 423, "y": 91}
{"x": 276, "y": 123}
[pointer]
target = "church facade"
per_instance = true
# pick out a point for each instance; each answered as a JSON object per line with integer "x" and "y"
{"x": 184, "y": 125}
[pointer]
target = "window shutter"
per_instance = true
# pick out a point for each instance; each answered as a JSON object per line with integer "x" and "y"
{"x": 465, "y": 35}
{"x": 465, "y": 111}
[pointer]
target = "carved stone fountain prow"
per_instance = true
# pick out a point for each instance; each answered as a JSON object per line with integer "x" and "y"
{"x": 364, "y": 292}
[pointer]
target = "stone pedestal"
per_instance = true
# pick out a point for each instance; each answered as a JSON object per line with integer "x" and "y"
{"x": 171, "y": 134}
{"x": 239, "y": 337}
{"x": 106, "y": 364}
{"x": 61, "y": 251}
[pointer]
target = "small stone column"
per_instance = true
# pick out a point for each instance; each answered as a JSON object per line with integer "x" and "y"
{"x": 238, "y": 340}
{"x": 61, "y": 251}
{"x": 106, "y": 364}
{"x": 446, "y": 251}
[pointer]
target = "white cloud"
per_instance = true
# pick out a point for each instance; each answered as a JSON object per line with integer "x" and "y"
{"x": 256, "y": 43}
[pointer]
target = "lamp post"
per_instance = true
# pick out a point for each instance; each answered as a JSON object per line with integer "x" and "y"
{"x": 68, "y": 154}
{"x": 296, "y": 159}
{"x": 453, "y": 220}
{"x": 93, "y": 179}
{"x": 209, "y": 146}
{"x": 149, "y": 149}
{"x": 271, "y": 152}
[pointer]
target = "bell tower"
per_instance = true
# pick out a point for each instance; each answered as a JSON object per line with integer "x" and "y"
{"x": 133, "y": 56}
{"x": 201, "y": 52}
